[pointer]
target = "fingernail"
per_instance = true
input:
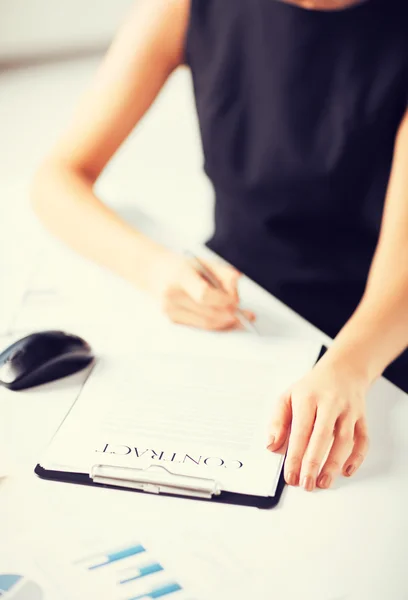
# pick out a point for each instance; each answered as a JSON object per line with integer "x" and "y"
{"x": 350, "y": 470}
{"x": 292, "y": 479}
{"x": 271, "y": 441}
{"x": 325, "y": 481}
{"x": 308, "y": 483}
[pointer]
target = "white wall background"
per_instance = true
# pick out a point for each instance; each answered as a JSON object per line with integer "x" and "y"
{"x": 38, "y": 27}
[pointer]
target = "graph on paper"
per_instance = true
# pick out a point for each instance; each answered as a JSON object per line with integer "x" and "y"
{"x": 132, "y": 573}
{"x": 17, "y": 587}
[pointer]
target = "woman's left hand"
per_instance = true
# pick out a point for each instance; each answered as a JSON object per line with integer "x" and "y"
{"x": 326, "y": 407}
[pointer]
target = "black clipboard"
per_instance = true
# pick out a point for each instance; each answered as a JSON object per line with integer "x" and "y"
{"x": 262, "y": 502}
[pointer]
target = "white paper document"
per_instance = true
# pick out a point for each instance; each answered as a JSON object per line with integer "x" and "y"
{"x": 6, "y": 464}
{"x": 202, "y": 416}
{"x": 119, "y": 569}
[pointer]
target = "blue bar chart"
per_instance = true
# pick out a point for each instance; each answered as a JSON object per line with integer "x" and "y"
{"x": 132, "y": 573}
{"x": 159, "y": 592}
{"x": 142, "y": 571}
{"x": 102, "y": 560}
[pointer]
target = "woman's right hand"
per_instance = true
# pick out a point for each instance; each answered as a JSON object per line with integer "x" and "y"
{"x": 188, "y": 299}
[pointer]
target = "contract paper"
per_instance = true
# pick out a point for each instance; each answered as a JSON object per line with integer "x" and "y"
{"x": 204, "y": 416}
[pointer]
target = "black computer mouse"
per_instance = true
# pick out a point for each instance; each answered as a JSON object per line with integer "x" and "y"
{"x": 42, "y": 357}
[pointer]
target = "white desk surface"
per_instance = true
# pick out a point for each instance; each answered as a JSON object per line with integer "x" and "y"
{"x": 349, "y": 542}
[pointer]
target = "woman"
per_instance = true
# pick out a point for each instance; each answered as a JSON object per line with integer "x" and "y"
{"x": 303, "y": 115}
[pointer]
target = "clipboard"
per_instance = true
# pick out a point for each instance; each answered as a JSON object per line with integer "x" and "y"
{"x": 263, "y": 502}
{"x": 159, "y": 480}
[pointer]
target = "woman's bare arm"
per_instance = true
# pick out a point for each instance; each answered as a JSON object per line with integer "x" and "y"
{"x": 147, "y": 49}
{"x": 378, "y": 331}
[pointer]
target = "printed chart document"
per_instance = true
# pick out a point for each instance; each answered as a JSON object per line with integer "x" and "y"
{"x": 184, "y": 415}
{"x": 126, "y": 569}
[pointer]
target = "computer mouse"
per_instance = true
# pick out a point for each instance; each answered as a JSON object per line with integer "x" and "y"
{"x": 42, "y": 357}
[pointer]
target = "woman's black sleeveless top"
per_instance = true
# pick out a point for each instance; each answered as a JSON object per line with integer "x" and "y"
{"x": 298, "y": 112}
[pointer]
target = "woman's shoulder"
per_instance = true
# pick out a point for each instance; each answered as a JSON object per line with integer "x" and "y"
{"x": 166, "y": 21}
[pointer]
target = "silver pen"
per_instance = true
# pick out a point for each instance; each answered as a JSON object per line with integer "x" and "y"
{"x": 206, "y": 274}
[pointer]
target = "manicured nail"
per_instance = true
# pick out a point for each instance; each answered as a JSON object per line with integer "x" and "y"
{"x": 325, "y": 481}
{"x": 308, "y": 483}
{"x": 292, "y": 479}
{"x": 350, "y": 470}
{"x": 271, "y": 441}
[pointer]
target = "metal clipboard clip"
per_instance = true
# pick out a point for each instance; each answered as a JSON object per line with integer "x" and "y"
{"x": 155, "y": 479}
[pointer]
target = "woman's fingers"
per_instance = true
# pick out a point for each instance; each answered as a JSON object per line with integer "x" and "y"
{"x": 190, "y": 299}
{"x": 228, "y": 277}
{"x": 184, "y": 310}
{"x": 183, "y": 316}
{"x": 280, "y": 425}
{"x": 202, "y": 292}
{"x": 311, "y": 436}
{"x": 302, "y": 426}
{"x": 318, "y": 446}
{"x": 339, "y": 452}
{"x": 328, "y": 432}
{"x": 179, "y": 298}
{"x": 360, "y": 449}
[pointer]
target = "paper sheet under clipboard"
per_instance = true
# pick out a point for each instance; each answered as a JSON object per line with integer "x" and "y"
{"x": 183, "y": 415}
